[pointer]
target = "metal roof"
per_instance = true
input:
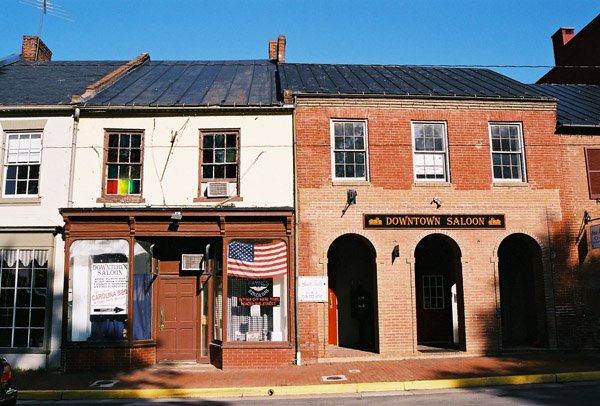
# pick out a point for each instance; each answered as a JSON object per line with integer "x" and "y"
{"x": 193, "y": 84}
{"x": 49, "y": 83}
{"x": 578, "y": 105}
{"x": 402, "y": 80}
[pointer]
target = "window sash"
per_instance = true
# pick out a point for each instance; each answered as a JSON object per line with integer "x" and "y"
{"x": 592, "y": 157}
{"x": 219, "y": 156}
{"x": 22, "y": 164}
{"x": 123, "y": 163}
{"x": 430, "y": 155}
{"x": 23, "y": 296}
{"x": 433, "y": 292}
{"x": 349, "y": 143}
{"x": 508, "y": 159}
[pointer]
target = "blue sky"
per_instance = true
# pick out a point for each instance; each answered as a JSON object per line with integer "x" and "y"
{"x": 400, "y": 32}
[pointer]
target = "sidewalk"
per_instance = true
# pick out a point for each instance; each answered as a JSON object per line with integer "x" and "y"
{"x": 339, "y": 377}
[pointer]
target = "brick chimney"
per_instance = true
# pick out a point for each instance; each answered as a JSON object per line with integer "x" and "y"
{"x": 559, "y": 40}
{"x": 277, "y": 49}
{"x": 34, "y": 49}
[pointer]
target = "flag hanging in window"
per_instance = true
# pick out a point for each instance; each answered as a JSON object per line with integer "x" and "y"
{"x": 257, "y": 260}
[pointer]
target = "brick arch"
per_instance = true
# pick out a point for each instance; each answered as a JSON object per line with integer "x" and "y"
{"x": 450, "y": 235}
{"x": 360, "y": 233}
{"x": 543, "y": 247}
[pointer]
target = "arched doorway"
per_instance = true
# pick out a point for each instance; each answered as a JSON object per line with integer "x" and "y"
{"x": 352, "y": 306}
{"x": 439, "y": 297}
{"x": 522, "y": 304}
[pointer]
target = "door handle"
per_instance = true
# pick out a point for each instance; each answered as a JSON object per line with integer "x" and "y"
{"x": 161, "y": 326}
{"x": 330, "y": 300}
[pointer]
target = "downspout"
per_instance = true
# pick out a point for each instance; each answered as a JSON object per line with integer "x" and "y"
{"x": 76, "y": 113}
{"x": 296, "y": 310}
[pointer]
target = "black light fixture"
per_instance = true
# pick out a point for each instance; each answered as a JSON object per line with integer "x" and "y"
{"x": 350, "y": 199}
{"x": 438, "y": 202}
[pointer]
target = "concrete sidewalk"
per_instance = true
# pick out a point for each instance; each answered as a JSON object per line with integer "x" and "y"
{"x": 350, "y": 376}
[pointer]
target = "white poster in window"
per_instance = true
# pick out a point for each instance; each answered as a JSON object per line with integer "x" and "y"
{"x": 108, "y": 287}
{"x": 595, "y": 233}
{"x": 312, "y": 289}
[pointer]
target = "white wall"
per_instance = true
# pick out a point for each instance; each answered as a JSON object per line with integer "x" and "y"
{"x": 266, "y": 158}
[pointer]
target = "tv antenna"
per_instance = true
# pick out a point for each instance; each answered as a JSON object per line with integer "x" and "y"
{"x": 47, "y": 7}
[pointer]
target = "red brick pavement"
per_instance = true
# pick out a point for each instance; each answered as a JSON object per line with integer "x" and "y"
{"x": 424, "y": 368}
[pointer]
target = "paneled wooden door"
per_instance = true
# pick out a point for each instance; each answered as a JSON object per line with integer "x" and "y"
{"x": 179, "y": 317}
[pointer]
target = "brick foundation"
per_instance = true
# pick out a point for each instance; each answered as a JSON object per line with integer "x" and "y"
{"x": 81, "y": 359}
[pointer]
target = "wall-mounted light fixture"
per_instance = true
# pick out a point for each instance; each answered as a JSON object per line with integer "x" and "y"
{"x": 437, "y": 201}
{"x": 395, "y": 253}
{"x": 175, "y": 218}
{"x": 350, "y": 200}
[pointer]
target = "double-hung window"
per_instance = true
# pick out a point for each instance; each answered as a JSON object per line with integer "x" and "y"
{"x": 22, "y": 164}
{"x": 219, "y": 162}
{"x": 430, "y": 152}
{"x": 508, "y": 159}
{"x": 123, "y": 160}
{"x": 350, "y": 151}
{"x": 23, "y": 297}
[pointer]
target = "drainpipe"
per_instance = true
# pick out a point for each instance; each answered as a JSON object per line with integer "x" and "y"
{"x": 295, "y": 142}
{"x": 76, "y": 113}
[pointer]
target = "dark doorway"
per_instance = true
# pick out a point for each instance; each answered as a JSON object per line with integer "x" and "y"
{"x": 352, "y": 293}
{"x": 438, "y": 285}
{"x": 521, "y": 291}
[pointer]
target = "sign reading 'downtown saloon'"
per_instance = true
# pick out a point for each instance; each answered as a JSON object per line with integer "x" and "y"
{"x": 434, "y": 221}
{"x": 108, "y": 288}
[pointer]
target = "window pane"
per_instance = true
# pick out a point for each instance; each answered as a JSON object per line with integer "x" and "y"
{"x": 231, "y": 155}
{"x": 231, "y": 171}
{"x": 359, "y": 143}
{"x": 359, "y": 157}
{"x": 360, "y": 171}
{"x": 207, "y": 171}
{"x": 21, "y": 188}
{"x": 6, "y": 317}
{"x": 135, "y": 172}
{"x": 124, "y": 141}
{"x": 23, "y": 297}
{"x": 136, "y": 140}
{"x": 219, "y": 172}
{"x": 123, "y": 155}
{"x": 231, "y": 140}
{"x": 349, "y": 143}
{"x": 219, "y": 141}
{"x": 136, "y": 155}
{"x": 339, "y": 171}
{"x": 123, "y": 171}
{"x": 339, "y": 157}
{"x": 32, "y": 188}
{"x": 11, "y": 172}
{"x": 134, "y": 187}
{"x": 113, "y": 140}
{"x": 113, "y": 155}
{"x": 348, "y": 129}
{"x": 349, "y": 157}
{"x": 338, "y": 129}
{"x": 22, "y": 171}
{"x": 359, "y": 129}
{"x": 219, "y": 156}
{"x": 7, "y": 298}
{"x": 207, "y": 156}
{"x": 208, "y": 141}
{"x": 34, "y": 172}
{"x": 349, "y": 171}
{"x": 113, "y": 171}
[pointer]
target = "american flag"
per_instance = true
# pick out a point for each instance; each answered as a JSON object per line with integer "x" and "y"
{"x": 255, "y": 261}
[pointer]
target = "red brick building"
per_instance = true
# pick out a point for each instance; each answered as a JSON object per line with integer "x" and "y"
{"x": 429, "y": 200}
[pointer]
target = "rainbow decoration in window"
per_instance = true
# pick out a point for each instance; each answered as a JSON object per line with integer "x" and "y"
{"x": 124, "y": 164}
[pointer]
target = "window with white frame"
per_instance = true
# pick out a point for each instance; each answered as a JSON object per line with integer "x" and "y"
{"x": 508, "y": 160}
{"x": 23, "y": 297}
{"x": 430, "y": 153}
{"x": 350, "y": 157}
{"x": 22, "y": 164}
{"x": 433, "y": 292}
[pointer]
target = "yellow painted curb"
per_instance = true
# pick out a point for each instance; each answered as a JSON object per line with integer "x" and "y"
{"x": 488, "y": 381}
{"x": 380, "y": 387}
{"x": 578, "y": 376}
{"x": 315, "y": 389}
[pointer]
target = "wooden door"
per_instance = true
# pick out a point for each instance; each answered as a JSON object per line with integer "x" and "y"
{"x": 177, "y": 335}
{"x": 333, "y": 319}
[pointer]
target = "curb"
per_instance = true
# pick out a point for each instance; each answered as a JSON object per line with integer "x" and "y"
{"x": 337, "y": 388}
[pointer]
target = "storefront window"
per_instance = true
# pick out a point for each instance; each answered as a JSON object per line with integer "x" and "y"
{"x": 257, "y": 290}
{"x": 98, "y": 290}
{"x": 23, "y": 289}
{"x": 142, "y": 290}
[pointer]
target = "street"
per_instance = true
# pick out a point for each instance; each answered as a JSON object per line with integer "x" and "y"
{"x": 579, "y": 393}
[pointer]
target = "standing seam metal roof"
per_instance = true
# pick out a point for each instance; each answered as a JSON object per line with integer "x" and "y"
{"x": 402, "y": 80}
{"x": 578, "y": 105}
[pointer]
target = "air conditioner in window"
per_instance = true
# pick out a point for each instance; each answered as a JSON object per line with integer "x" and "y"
{"x": 192, "y": 262}
{"x": 217, "y": 189}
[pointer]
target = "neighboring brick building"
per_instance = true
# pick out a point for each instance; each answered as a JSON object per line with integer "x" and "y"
{"x": 466, "y": 160}
{"x": 577, "y": 57}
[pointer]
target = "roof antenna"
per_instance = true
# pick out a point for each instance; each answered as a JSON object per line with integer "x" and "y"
{"x": 47, "y": 7}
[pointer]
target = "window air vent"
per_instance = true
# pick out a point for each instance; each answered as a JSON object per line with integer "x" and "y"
{"x": 217, "y": 189}
{"x": 192, "y": 262}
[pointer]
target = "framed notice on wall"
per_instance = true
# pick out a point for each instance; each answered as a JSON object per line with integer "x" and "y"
{"x": 312, "y": 289}
{"x": 595, "y": 236}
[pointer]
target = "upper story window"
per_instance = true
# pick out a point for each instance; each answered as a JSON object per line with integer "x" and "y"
{"x": 350, "y": 151}
{"x": 219, "y": 162}
{"x": 22, "y": 164}
{"x": 430, "y": 153}
{"x": 508, "y": 159}
{"x": 592, "y": 158}
{"x": 123, "y": 161}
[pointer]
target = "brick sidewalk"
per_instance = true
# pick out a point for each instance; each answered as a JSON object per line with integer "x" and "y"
{"x": 424, "y": 368}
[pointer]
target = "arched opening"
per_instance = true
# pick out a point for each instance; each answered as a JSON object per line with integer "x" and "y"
{"x": 522, "y": 303}
{"x": 439, "y": 293}
{"x": 352, "y": 277}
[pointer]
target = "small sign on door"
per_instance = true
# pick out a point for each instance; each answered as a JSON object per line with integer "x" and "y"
{"x": 312, "y": 289}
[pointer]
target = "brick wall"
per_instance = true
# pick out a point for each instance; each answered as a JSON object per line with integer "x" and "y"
{"x": 232, "y": 358}
{"x": 532, "y": 209}
{"x": 81, "y": 359}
